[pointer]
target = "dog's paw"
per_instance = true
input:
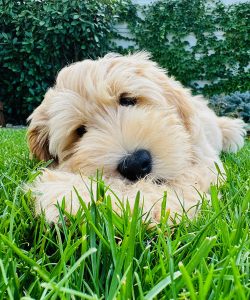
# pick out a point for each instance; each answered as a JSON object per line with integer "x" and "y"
{"x": 51, "y": 214}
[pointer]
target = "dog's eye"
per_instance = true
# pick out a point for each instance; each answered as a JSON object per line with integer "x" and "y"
{"x": 81, "y": 130}
{"x": 126, "y": 101}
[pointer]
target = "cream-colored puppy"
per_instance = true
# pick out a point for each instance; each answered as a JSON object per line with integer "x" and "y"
{"x": 124, "y": 116}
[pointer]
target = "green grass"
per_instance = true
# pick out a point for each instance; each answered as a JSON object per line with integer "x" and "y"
{"x": 99, "y": 255}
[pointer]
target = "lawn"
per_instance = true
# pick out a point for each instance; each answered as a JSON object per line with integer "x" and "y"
{"x": 99, "y": 255}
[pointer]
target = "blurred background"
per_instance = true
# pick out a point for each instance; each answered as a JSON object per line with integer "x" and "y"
{"x": 203, "y": 44}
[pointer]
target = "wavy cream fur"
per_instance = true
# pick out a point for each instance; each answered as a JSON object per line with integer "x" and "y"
{"x": 182, "y": 134}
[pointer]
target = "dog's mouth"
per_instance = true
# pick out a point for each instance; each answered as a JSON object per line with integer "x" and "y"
{"x": 159, "y": 181}
{"x": 148, "y": 178}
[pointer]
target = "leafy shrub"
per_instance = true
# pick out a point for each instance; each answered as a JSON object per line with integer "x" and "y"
{"x": 235, "y": 105}
{"x": 204, "y": 44}
{"x": 38, "y": 38}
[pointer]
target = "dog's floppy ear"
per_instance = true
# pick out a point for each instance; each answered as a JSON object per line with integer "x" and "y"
{"x": 181, "y": 99}
{"x": 178, "y": 97}
{"x": 38, "y": 134}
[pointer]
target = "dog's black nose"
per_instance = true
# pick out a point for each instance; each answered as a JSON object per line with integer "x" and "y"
{"x": 136, "y": 165}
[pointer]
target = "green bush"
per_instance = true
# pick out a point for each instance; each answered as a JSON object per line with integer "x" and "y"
{"x": 38, "y": 38}
{"x": 235, "y": 105}
{"x": 218, "y": 54}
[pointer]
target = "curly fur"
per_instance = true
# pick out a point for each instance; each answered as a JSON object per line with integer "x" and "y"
{"x": 183, "y": 135}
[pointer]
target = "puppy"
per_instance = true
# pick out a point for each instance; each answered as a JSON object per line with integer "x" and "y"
{"x": 125, "y": 116}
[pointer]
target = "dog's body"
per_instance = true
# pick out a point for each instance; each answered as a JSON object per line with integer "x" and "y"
{"x": 124, "y": 116}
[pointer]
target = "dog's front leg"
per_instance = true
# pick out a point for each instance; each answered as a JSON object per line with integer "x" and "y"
{"x": 51, "y": 188}
{"x": 206, "y": 173}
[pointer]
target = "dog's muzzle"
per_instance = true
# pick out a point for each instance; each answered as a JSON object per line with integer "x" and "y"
{"x": 136, "y": 165}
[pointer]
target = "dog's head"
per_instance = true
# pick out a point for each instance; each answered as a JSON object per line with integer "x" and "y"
{"x": 119, "y": 114}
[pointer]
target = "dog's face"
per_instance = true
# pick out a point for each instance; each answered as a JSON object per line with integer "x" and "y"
{"x": 119, "y": 114}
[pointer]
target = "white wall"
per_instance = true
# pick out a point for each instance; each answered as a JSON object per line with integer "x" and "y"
{"x": 233, "y": 1}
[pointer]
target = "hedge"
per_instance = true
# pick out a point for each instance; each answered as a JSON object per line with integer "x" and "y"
{"x": 236, "y": 105}
{"x": 38, "y": 38}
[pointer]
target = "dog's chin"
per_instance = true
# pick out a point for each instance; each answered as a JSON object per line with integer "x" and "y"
{"x": 148, "y": 178}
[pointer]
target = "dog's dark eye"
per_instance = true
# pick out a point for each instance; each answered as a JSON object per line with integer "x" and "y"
{"x": 126, "y": 101}
{"x": 81, "y": 130}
